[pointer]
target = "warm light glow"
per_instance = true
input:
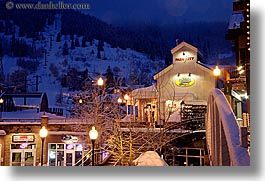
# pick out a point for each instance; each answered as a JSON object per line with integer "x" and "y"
{"x": 126, "y": 97}
{"x": 241, "y": 71}
{"x": 43, "y": 132}
{"x": 119, "y": 100}
{"x": 239, "y": 68}
{"x": 1, "y": 100}
{"x": 100, "y": 81}
{"x": 93, "y": 133}
{"x": 80, "y": 101}
{"x": 216, "y": 71}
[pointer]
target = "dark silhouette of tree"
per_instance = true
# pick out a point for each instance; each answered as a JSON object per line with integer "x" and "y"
{"x": 72, "y": 44}
{"x": 109, "y": 78}
{"x": 58, "y": 37}
{"x": 84, "y": 42}
{"x": 65, "y": 48}
{"x": 77, "y": 44}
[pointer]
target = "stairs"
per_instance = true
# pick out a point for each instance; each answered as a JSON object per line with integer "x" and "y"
{"x": 152, "y": 139}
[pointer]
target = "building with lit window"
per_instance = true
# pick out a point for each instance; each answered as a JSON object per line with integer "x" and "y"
{"x": 186, "y": 80}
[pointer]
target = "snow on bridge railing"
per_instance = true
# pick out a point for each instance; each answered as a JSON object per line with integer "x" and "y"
{"x": 222, "y": 133}
{"x": 21, "y": 120}
{"x": 70, "y": 121}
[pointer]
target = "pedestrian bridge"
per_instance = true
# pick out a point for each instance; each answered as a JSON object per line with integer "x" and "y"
{"x": 225, "y": 141}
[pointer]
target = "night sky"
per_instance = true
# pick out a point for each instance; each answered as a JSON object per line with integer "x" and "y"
{"x": 160, "y": 11}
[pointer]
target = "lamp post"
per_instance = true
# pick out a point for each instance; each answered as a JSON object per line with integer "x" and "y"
{"x": 93, "y": 134}
{"x": 126, "y": 97}
{"x": 216, "y": 73}
{"x": 1, "y": 104}
{"x": 43, "y": 133}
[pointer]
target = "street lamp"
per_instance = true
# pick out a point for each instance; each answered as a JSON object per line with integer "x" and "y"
{"x": 43, "y": 133}
{"x": 119, "y": 100}
{"x": 100, "y": 81}
{"x": 216, "y": 73}
{"x": 1, "y": 103}
{"x": 93, "y": 134}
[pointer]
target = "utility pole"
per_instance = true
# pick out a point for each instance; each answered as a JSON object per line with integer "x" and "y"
{"x": 37, "y": 82}
{"x": 45, "y": 57}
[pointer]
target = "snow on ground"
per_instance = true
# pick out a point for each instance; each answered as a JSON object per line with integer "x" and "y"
{"x": 150, "y": 158}
{"x": 125, "y": 60}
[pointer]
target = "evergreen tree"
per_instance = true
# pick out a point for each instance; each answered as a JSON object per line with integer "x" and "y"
{"x": 65, "y": 49}
{"x": 109, "y": 77}
{"x": 84, "y": 42}
{"x": 77, "y": 44}
{"x": 58, "y": 37}
{"x": 72, "y": 44}
{"x": 98, "y": 54}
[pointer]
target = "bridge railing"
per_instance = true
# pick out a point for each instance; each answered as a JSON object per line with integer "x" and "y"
{"x": 222, "y": 133}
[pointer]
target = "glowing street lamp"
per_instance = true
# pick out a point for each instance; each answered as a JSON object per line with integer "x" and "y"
{"x": 119, "y": 100}
{"x": 1, "y": 104}
{"x": 216, "y": 73}
{"x": 43, "y": 134}
{"x": 100, "y": 82}
{"x": 93, "y": 134}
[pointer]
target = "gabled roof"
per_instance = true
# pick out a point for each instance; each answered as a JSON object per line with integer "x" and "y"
{"x": 183, "y": 44}
{"x": 162, "y": 72}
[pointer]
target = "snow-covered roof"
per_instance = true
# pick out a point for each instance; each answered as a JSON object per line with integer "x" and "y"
{"x": 146, "y": 92}
{"x": 28, "y": 114}
{"x": 235, "y": 20}
{"x": 182, "y": 44}
{"x": 19, "y": 101}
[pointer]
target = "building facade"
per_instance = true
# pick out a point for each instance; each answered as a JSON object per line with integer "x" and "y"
{"x": 66, "y": 144}
{"x": 186, "y": 79}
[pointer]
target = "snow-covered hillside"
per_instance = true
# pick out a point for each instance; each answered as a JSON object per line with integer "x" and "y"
{"x": 122, "y": 62}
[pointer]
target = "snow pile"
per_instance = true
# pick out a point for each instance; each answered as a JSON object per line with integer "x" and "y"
{"x": 149, "y": 158}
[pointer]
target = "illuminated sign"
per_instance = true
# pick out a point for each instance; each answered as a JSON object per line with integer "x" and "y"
{"x": 185, "y": 81}
{"x": 184, "y": 59}
{"x": 69, "y": 139}
{"x": 23, "y": 138}
{"x": 23, "y": 145}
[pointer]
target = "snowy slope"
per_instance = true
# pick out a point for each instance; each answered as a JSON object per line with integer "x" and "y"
{"x": 80, "y": 58}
